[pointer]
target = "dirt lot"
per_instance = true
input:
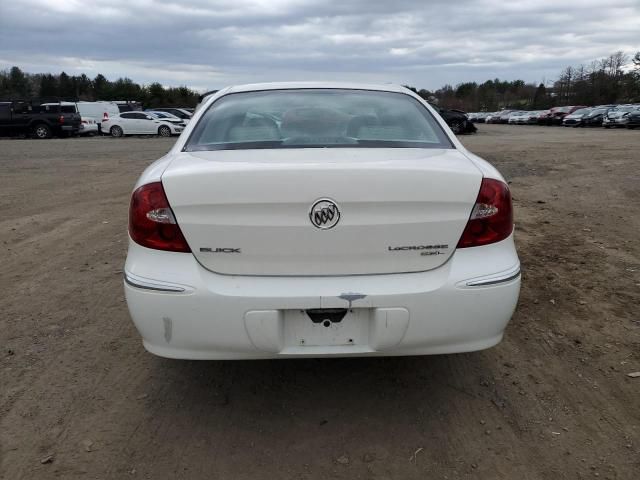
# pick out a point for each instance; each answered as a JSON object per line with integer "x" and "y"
{"x": 80, "y": 398}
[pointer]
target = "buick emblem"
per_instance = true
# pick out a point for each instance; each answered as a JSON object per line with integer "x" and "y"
{"x": 324, "y": 214}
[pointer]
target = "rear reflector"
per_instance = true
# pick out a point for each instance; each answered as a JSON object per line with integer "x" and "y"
{"x": 491, "y": 219}
{"x": 151, "y": 221}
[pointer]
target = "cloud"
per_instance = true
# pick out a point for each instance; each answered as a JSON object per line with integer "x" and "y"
{"x": 208, "y": 44}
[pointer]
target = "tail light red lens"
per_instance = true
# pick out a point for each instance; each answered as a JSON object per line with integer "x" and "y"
{"x": 151, "y": 221}
{"x": 491, "y": 219}
{"x": 61, "y": 119}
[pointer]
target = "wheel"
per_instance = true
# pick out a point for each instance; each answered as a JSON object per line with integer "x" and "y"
{"x": 42, "y": 131}
{"x": 164, "y": 131}
{"x": 116, "y": 131}
{"x": 457, "y": 127}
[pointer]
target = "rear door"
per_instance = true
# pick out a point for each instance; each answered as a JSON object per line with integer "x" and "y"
{"x": 5, "y": 117}
{"x": 147, "y": 123}
{"x": 20, "y": 116}
{"x": 130, "y": 124}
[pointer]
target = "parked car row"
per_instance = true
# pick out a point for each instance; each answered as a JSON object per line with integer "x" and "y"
{"x": 60, "y": 118}
{"x": 607, "y": 116}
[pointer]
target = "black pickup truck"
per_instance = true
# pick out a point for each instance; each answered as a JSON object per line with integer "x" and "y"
{"x": 40, "y": 120}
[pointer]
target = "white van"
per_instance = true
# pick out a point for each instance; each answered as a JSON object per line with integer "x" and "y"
{"x": 98, "y": 111}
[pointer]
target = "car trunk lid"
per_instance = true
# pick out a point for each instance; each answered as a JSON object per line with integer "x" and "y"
{"x": 247, "y": 212}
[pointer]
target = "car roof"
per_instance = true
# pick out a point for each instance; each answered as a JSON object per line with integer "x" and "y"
{"x": 66, "y": 104}
{"x": 253, "y": 87}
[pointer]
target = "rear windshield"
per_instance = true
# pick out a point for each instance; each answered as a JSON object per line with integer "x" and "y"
{"x": 316, "y": 118}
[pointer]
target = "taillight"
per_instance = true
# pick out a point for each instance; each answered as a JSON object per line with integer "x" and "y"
{"x": 61, "y": 119}
{"x": 151, "y": 221}
{"x": 491, "y": 219}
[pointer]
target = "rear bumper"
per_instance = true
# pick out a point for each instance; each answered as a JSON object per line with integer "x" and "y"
{"x": 185, "y": 311}
{"x": 87, "y": 129}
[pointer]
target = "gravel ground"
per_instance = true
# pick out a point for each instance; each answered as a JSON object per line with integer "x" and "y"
{"x": 80, "y": 398}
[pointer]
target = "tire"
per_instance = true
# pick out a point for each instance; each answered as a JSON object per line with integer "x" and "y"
{"x": 41, "y": 131}
{"x": 116, "y": 131}
{"x": 457, "y": 127}
{"x": 164, "y": 131}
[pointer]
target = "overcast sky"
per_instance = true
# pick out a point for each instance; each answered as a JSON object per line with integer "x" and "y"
{"x": 208, "y": 44}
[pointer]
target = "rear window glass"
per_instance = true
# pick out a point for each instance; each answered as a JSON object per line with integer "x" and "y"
{"x": 55, "y": 108}
{"x": 47, "y": 108}
{"x": 316, "y": 118}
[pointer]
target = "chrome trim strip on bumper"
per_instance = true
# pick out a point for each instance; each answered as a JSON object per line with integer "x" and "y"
{"x": 502, "y": 277}
{"x": 139, "y": 282}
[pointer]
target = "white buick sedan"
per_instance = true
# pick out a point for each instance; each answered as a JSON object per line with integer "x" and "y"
{"x": 319, "y": 220}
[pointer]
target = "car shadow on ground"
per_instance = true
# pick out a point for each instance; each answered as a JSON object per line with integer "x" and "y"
{"x": 321, "y": 391}
{"x": 319, "y": 383}
{"x": 322, "y": 411}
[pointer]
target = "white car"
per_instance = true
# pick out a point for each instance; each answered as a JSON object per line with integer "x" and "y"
{"x": 139, "y": 123}
{"x": 88, "y": 126}
{"x": 517, "y": 118}
{"x": 319, "y": 220}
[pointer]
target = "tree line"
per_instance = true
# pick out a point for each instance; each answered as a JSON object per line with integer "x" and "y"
{"x": 608, "y": 80}
{"x": 16, "y": 84}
